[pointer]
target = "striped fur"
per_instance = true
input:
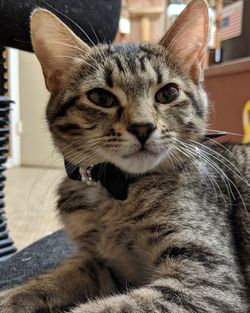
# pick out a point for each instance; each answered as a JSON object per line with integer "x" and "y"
{"x": 180, "y": 242}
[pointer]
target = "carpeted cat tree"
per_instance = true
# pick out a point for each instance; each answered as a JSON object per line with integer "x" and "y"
{"x": 91, "y": 20}
{"x": 94, "y": 21}
{"x": 7, "y": 247}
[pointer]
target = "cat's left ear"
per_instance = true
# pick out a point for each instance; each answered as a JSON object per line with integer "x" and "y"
{"x": 186, "y": 40}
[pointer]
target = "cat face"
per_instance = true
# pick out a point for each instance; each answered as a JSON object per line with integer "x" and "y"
{"x": 130, "y": 104}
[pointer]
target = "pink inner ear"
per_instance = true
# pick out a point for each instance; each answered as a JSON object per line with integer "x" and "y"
{"x": 187, "y": 38}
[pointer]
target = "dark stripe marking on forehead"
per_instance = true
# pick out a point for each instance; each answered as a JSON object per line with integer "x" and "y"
{"x": 119, "y": 64}
{"x": 108, "y": 77}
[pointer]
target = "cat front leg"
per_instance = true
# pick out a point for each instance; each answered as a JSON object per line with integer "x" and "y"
{"x": 199, "y": 288}
{"x": 167, "y": 297}
{"x": 169, "y": 300}
{"x": 76, "y": 280}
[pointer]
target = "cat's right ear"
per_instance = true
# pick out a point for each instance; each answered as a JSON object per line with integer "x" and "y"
{"x": 55, "y": 46}
{"x": 186, "y": 40}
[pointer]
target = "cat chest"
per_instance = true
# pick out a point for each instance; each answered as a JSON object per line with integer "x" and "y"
{"x": 124, "y": 250}
{"x": 125, "y": 243}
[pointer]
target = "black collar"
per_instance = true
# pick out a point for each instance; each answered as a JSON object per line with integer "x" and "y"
{"x": 111, "y": 177}
{"x": 215, "y": 134}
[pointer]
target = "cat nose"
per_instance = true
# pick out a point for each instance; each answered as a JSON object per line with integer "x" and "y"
{"x": 141, "y": 131}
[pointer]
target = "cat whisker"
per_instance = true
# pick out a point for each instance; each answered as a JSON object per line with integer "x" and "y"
{"x": 221, "y": 173}
{"x": 234, "y": 169}
{"x": 223, "y": 147}
{"x": 194, "y": 160}
{"x": 229, "y": 133}
{"x": 45, "y": 167}
{"x": 65, "y": 56}
{"x": 211, "y": 178}
{"x": 93, "y": 30}
{"x": 219, "y": 170}
{"x": 178, "y": 36}
{"x": 178, "y": 158}
{"x": 51, "y": 189}
{"x": 80, "y": 60}
{"x": 69, "y": 19}
{"x": 192, "y": 149}
{"x": 68, "y": 45}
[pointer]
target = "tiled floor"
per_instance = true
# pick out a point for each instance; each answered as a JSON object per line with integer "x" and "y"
{"x": 30, "y": 201}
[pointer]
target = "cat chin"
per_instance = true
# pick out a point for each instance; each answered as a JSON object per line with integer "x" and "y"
{"x": 137, "y": 165}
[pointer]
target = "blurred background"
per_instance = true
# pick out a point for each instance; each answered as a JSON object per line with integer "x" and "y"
{"x": 35, "y": 168}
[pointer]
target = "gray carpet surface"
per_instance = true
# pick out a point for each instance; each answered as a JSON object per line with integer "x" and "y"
{"x": 38, "y": 258}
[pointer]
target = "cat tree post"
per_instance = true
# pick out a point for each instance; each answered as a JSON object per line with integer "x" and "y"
{"x": 145, "y": 15}
{"x": 6, "y": 244}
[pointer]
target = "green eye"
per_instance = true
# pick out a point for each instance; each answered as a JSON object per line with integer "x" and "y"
{"x": 167, "y": 94}
{"x": 102, "y": 97}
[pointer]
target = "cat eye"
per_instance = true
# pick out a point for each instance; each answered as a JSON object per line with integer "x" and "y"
{"x": 102, "y": 97}
{"x": 167, "y": 94}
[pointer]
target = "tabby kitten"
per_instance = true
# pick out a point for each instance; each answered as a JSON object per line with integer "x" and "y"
{"x": 161, "y": 227}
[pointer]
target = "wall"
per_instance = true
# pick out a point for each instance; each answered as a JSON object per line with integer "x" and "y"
{"x": 228, "y": 88}
{"x": 36, "y": 144}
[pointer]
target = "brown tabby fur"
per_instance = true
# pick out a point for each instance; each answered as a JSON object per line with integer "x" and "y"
{"x": 180, "y": 242}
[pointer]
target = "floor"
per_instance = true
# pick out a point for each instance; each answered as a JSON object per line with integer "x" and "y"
{"x": 30, "y": 203}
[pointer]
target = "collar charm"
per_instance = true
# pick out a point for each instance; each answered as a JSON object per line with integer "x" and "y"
{"x": 86, "y": 176}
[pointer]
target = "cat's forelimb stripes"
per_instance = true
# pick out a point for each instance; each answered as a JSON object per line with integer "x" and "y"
{"x": 164, "y": 295}
{"x": 75, "y": 281}
{"x": 184, "y": 286}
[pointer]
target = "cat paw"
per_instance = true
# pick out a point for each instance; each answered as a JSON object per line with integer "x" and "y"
{"x": 116, "y": 304}
{"x": 18, "y": 301}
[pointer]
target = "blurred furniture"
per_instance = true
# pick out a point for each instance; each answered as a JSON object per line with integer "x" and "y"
{"x": 238, "y": 47}
{"x": 6, "y": 244}
{"x": 148, "y": 19}
{"x": 146, "y": 15}
{"x": 94, "y": 21}
{"x": 228, "y": 89}
{"x": 246, "y": 122}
